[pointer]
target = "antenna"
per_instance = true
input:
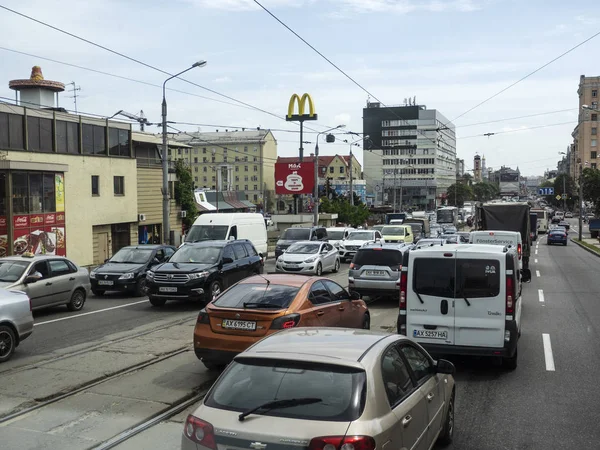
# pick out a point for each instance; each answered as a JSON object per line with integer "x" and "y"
{"x": 74, "y": 91}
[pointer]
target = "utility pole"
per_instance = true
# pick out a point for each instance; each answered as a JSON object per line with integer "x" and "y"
{"x": 564, "y": 193}
{"x": 350, "y": 167}
{"x": 580, "y": 201}
{"x": 74, "y": 91}
{"x": 396, "y": 189}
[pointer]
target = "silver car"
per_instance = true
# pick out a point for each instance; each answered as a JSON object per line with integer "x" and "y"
{"x": 355, "y": 240}
{"x": 47, "y": 280}
{"x": 309, "y": 257}
{"x": 16, "y": 321}
{"x": 327, "y": 388}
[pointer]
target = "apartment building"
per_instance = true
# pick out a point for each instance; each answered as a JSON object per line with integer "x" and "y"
{"x": 585, "y": 134}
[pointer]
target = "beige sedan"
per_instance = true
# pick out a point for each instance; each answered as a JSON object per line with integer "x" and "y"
{"x": 326, "y": 389}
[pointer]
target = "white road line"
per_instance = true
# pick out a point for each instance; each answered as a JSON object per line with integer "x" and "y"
{"x": 537, "y": 273}
{"x": 541, "y": 295}
{"x": 536, "y": 251}
{"x": 536, "y": 260}
{"x": 548, "y": 352}
{"x": 88, "y": 313}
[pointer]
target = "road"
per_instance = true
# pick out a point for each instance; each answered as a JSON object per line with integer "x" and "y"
{"x": 550, "y": 401}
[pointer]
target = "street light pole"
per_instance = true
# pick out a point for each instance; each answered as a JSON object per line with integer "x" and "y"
{"x": 316, "y": 194}
{"x": 165, "y": 155}
{"x": 580, "y": 202}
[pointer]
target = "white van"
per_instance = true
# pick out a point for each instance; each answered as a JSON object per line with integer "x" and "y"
{"x": 463, "y": 299}
{"x": 227, "y": 226}
{"x": 511, "y": 239}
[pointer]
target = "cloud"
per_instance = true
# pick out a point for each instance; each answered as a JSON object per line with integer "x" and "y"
{"x": 342, "y": 119}
{"x": 222, "y": 80}
{"x": 243, "y": 5}
{"x": 408, "y": 6}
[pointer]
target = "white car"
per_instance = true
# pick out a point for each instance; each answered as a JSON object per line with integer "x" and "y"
{"x": 309, "y": 257}
{"x": 356, "y": 240}
{"x": 16, "y": 321}
{"x": 336, "y": 235}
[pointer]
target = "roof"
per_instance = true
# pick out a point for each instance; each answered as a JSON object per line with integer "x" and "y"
{"x": 29, "y": 259}
{"x": 323, "y": 160}
{"x": 466, "y": 248}
{"x": 149, "y": 138}
{"x": 286, "y": 279}
{"x": 223, "y": 137}
{"x": 213, "y": 243}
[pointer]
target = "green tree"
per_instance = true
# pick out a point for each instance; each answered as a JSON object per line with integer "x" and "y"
{"x": 184, "y": 192}
{"x": 484, "y": 191}
{"x": 458, "y": 193}
{"x": 591, "y": 188}
{"x": 354, "y": 215}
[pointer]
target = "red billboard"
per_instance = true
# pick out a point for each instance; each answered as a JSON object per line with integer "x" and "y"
{"x": 294, "y": 177}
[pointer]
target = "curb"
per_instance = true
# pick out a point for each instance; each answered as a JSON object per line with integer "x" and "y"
{"x": 585, "y": 248}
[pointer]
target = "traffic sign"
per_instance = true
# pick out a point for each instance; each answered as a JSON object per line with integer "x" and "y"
{"x": 546, "y": 191}
{"x": 558, "y": 197}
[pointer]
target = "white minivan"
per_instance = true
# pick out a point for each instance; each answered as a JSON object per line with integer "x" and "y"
{"x": 463, "y": 299}
{"x": 511, "y": 239}
{"x": 228, "y": 226}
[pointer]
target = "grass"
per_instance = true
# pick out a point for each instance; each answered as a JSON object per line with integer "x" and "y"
{"x": 589, "y": 246}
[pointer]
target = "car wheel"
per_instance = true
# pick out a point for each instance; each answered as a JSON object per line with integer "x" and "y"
{"x": 336, "y": 266}
{"x": 319, "y": 270}
{"x": 8, "y": 342}
{"x": 214, "y": 289}
{"x": 510, "y": 363}
{"x": 447, "y": 433}
{"x": 141, "y": 287}
{"x": 158, "y": 302}
{"x": 212, "y": 365}
{"x": 77, "y": 300}
{"x": 565, "y": 244}
{"x": 366, "y": 323}
{"x": 97, "y": 292}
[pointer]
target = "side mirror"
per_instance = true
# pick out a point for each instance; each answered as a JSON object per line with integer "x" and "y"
{"x": 155, "y": 261}
{"x": 324, "y": 251}
{"x": 444, "y": 366}
{"x": 526, "y": 276}
{"x": 227, "y": 260}
{"x": 31, "y": 279}
{"x": 106, "y": 260}
{"x": 354, "y": 295}
{"x": 232, "y": 238}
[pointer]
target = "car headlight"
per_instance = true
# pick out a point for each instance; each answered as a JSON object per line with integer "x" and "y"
{"x": 198, "y": 275}
{"x": 93, "y": 274}
{"x": 309, "y": 260}
{"x": 127, "y": 276}
{"x": 150, "y": 275}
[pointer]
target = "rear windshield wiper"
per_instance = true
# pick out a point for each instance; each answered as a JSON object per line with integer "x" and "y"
{"x": 465, "y": 298}
{"x": 278, "y": 404}
{"x": 420, "y": 298}
{"x": 262, "y": 305}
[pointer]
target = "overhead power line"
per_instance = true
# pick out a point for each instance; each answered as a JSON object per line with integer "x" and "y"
{"x": 516, "y": 118}
{"x": 519, "y": 129}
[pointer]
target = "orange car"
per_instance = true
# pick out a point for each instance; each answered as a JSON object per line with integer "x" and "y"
{"x": 262, "y": 304}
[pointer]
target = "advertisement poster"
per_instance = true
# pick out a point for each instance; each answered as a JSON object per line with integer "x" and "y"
{"x": 59, "y": 187}
{"x": 294, "y": 178}
{"x": 3, "y": 237}
{"x": 58, "y": 232}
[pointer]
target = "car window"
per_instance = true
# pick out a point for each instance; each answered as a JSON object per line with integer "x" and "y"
{"x": 250, "y": 249}
{"x": 41, "y": 268}
{"x": 12, "y": 270}
{"x": 337, "y": 292}
{"x": 319, "y": 294}
{"x": 169, "y": 251}
{"x": 378, "y": 234}
{"x": 395, "y": 375}
{"x": 434, "y": 276}
{"x": 272, "y": 294}
{"x": 478, "y": 278}
{"x": 59, "y": 267}
{"x": 228, "y": 252}
{"x": 72, "y": 266}
{"x": 378, "y": 257}
{"x": 239, "y": 251}
{"x": 160, "y": 254}
{"x": 233, "y": 232}
{"x": 419, "y": 363}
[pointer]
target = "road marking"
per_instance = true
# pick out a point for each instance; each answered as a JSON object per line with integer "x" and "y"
{"x": 88, "y": 313}
{"x": 541, "y": 295}
{"x": 548, "y": 352}
{"x": 536, "y": 260}
{"x": 537, "y": 273}
{"x": 536, "y": 251}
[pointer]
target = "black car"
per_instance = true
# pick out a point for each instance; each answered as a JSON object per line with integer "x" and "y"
{"x": 202, "y": 270}
{"x": 564, "y": 223}
{"x": 126, "y": 270}
{"x": 295, "y": 234}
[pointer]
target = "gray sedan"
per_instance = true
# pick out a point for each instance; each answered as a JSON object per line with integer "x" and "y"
{"x": 309, "y": 257}
{"x": 16, "y": 321}
{"x": 47, "y": 280}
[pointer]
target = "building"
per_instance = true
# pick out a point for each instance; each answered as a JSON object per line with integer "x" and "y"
{"x": 477, "y": 177}
{"x": 484, "y": 169}
{"x": 460, "y": 167}
{"x": 232, "y": 160}
{"x": 410, "y": 154}
{"x": 509, "y": 181}
{"x": 585, "y": 134}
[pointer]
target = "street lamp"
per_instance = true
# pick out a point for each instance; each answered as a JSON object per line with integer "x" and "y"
{"x": 409, "y": 166}
{"x": 564, "y": 186}
{"x": 316, "y": 197}
{"x": 350, "y": 166}
{"x": 591, "y": 108}
{"x": 165, "y": 155}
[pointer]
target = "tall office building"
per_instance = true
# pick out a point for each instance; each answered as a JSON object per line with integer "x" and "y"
{"x": 585, "y": 134}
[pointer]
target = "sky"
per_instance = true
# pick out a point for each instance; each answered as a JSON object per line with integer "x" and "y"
{"x": 450, "y": 54}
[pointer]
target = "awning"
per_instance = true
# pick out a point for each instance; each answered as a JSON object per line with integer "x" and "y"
{"x": 231, "y": 198}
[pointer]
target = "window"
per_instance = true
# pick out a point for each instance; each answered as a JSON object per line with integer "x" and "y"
{"x": 319, "y": 294}
{"x": 195, "y": 152}
{"x": 205, "y": 179}
{"x": 418, "y": 362}
{"x": 256, "y": 187}
{"x": 594, "y": 155}
{"x": 39, "y": 134}
{"x": 214, "y": 179}
{"x": 49, "y": 192}
{"x": 119, "y": 185}
{"x": 256, "y": 168}
{"x": 20, "y": 193}
{"x": 250, "y": 249}
{"x": 337, "y": 292}
{"x": 594, "y": 165}
{"x": 204, "y": 150}
{"x": 93, "y": 139}
{"x": 118, "y": 142}
{"x": 331, "y": 169}
{"x": 196, "y": 160}
{"x": 255, "y": 197}
{"x": 67, "y": 137}
{"x": 246, "y": 178}
{"x": 434, "y": 277}
{"x": 195, "y": 169}
{"x": 245, "y": 187}
{"x": 396, "y": 378}
{"x": 255, "y": 149}
{"x": 594, "y": 142}
{"x": 213, "y": 159}
{"x": 594, "y": 131}
{"x": 237, "y": 187}
{"x": 59, "y": 267}
{"x": 196, "y": 179}
{"x": 239, "y": 251}
{"x": 595, "y": 117}
{"x": 204, "y": 169}
{"x": 594, "y": 93}
{"x": 341, "y": 169}
{"x": 95, "y": 185}
{"x": 245, "y": 168}
{"x": 477, "y": 278}
{"x": 40, "y": 267}
{"x": 245, "y": 149}
{"x": 11, "y": 131}
{"x": 36, "y": 193}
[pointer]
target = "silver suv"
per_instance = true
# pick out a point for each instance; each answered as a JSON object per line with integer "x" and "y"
{"x": 375, "y": 269}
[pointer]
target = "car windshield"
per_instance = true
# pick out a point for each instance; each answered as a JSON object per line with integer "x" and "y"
{"x": 360, "y": 236}
{"x": 296, "y": 234}
{"x": 393, "y": 231}
{"x": 335, "y": 235}
{"x": 12, "y": 270}
{"x": 207, "y": 233}
{"x": 257, "y": 294}
{"x": 303, "y": 249}
{"x": 250, "y": 382}
{"x": 132, "y": 255}
{"x": 196, "y": 254}
{"x": 378, "y": 257}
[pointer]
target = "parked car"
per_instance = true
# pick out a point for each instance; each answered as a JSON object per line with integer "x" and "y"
{"x": 126, "y": 270}
{"x": 397, "y": 233}
{"x": 568, "y": 215}
{"x": 557, "y": 236}
{"x": 295, "y": 234}
{"x": 47, "y": 280}
{"x": 309, "y": 257}
{"x": 16, "y": 321}
{"x": 356, "y": 240}
{"x": 450, "y": 229}
{"x": 324, "y": 388}
{"x": 200, "y": 271}
{"x": 261, "y": 305}
{"x": 565, "y": 224}
{"x": 336, "y": 235}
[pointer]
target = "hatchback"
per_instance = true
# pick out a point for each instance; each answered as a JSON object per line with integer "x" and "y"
{"x": 309, "y": 257}
{"x": 261, "y": 305}
{"x": 327, "y": 388}
{"x": 16, "y": 321}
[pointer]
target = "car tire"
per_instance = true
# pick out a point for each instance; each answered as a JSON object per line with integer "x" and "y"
{"x": 336, "y": 266}
{"x": 158, "y": 302}
{"x": 141, "y": 287}
{"x": 565, "y": 244}
{"x": 97, "y": 292}
{"x": 77, "y": 300}
{"x": 366, "y": 322}
{"x": 213, "y": 366}
{"x": 8, "y": 343}
{"x": 447, "y": 433}
{"x": 319, "y": 270}
{"x": 215, "y": 288}
{"x": 511, "y": 362}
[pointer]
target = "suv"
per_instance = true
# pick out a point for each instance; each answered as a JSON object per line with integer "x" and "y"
{"x": 375, "y": 269}
{"x": 201, "y": 271}
{"x": 295, "y": 234}
{"x": 355, "y": 240}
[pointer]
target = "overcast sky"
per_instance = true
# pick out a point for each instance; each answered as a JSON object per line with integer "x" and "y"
{"x": 450, "y": 54}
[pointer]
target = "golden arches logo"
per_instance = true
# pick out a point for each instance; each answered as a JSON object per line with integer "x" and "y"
{"x": 301, "y": 101}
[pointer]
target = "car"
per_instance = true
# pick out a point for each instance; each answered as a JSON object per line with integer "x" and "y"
{"x": 397, "y": 233}
{"x": 336, "y": 235}
{"x": 565, "y": 224}
{"x": 375, "y": 269}
{"x": 202, "y": 270}
{"x": 261, "y": 305}
{"x": 435, "y": 231}
{"x": 356, "y": 240}
{"x": 327, "y": 388}
{"x": 557, "y": 236}
{"x": 126, "y": 270}
{"x": 452, "y": 238}
{"x": 556, "y": 219}
{"x": 568, "y": 215}
{"x": 47, "y": 280}
{"x": 423, "y": 243}
{"x": 450, "y": 229}
{"x": 16, "y": 321}
{"x": 377, "y": 227}
{"x": 309, "y": 257}
{"x": 295, "y": 234}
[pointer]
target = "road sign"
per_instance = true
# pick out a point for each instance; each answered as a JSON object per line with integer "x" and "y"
{"x": 558, "y": 197}
{"x": 546, "y": 191}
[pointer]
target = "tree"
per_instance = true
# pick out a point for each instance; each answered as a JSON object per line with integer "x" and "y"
{"x": 591, "y": 188}
{"x": 184, "y": 192}
{"x": 457, "y": 193}
{"x": 485, "y": 191}
{"x": 354, "y": 215}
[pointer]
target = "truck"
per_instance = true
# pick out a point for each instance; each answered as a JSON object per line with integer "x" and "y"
{"x": 509, "y": 216}
{"x": 594, "y": 226}
{"x": 394, "y": 216}
{"x": 423, "y": 222}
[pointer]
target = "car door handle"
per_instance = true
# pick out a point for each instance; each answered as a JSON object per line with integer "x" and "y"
{"x": 430, "y": 396}
{"x": 406, "y": 421}
{"x": 341, "y": 308}
{"x": 320, "y": 313}
{"x": 48, "y": 283}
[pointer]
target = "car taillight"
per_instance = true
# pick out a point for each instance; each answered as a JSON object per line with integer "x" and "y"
{"x": 287, "y": 321}
{"x": 519, "y": 250}
{"x": 203, "y": 317}
{"x": 342, "y": 443}
{"x": 403, "y": 287}
{"x": 354, "y": 266}
{"x": 510, "y": 292}
{"x": 200, "y": 432}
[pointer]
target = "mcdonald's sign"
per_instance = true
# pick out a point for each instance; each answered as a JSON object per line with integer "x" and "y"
{"x": 301, "y": 116}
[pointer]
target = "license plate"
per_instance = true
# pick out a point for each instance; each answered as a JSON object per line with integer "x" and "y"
{"x": 431, "y": 334}
{"x": 167, "y": 289}
{"x": 105, "y": 282}
{"x": 238, "y": 325}
{"x": 376, "y": 273}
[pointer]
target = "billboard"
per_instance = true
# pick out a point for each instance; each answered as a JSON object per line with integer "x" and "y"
{"x": 295, "y": 178}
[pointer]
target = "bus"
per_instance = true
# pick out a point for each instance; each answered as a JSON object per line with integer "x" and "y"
{"x": 542, "y": 220}
{"x": 447, "y": 215}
